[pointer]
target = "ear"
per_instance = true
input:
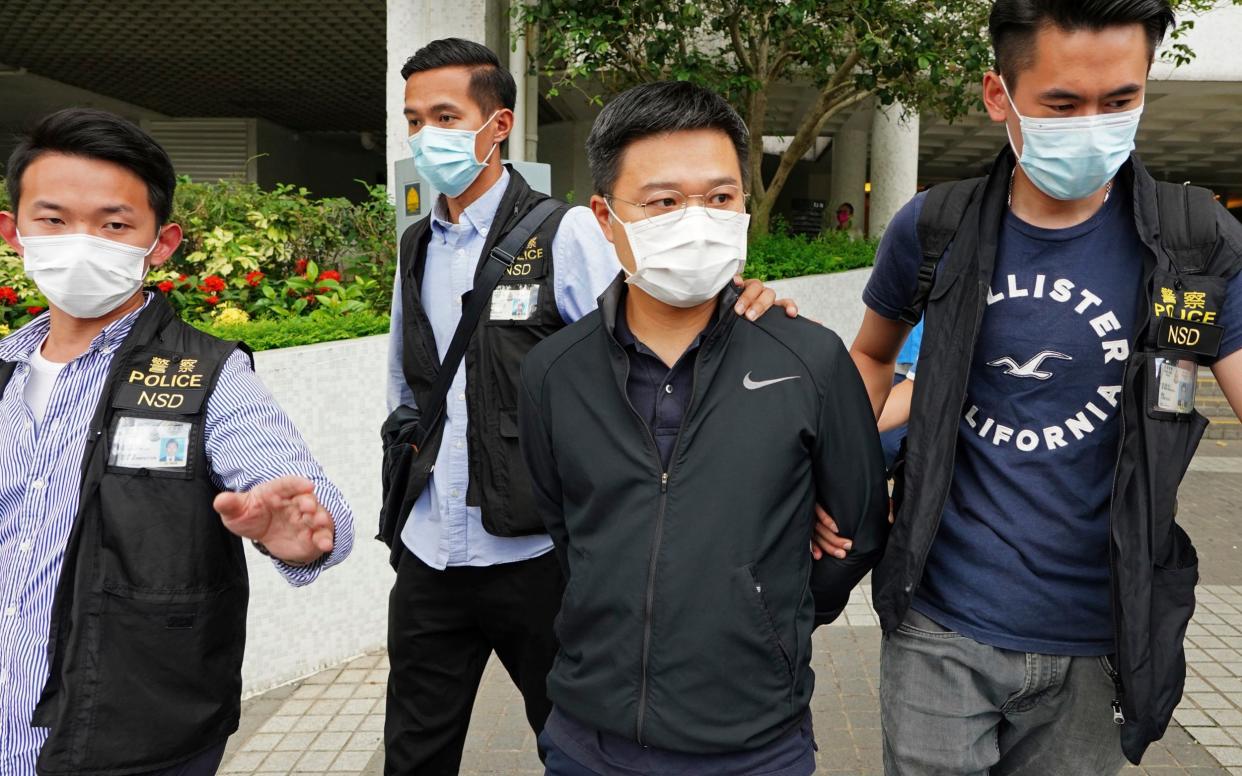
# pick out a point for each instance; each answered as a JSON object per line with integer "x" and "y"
{"x": 8, "y": 230}
{"x": 503, "y": 124}
{"x": 604, "y": 216}
{"x": 166, "y": 246}
{"x": 994, "y": 99}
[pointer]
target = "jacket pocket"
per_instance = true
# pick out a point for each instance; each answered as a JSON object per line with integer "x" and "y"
{"x": 765, "y": 624}
{"x": 168, "y": 664}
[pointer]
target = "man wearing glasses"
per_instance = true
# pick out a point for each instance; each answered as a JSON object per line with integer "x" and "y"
{"x": 676, "y": 455}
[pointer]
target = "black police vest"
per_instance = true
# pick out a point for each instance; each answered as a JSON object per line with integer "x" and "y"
{"x": 523, "y": 312}
{"x": 1154, "y": 566}
{"x": 148, "y": 625}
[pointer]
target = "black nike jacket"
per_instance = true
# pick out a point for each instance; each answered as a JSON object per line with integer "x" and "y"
{"x": 691, "y": 597}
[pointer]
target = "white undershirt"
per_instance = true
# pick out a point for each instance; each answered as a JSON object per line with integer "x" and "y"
{"x": 39, "y": 384}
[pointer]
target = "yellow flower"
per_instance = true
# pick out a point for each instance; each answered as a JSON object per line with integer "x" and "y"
{"x": 230, "y": 316}
{"x": 4, "y": 330}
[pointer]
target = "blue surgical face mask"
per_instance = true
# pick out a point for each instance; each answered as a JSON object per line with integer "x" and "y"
{"x": 445, "y": 157}
{"x": 1074, "y": 157}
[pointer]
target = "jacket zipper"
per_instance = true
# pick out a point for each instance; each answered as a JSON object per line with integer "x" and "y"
{"x": 655, "y": 550}
{"x": 659, "y": 526}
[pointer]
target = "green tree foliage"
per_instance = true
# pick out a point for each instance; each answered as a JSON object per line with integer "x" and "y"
{"x": 930, "y": 56}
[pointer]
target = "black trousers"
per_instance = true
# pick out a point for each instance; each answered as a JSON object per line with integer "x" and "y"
{"x": 442, "y": 628}
{"x": 205, "y": 763}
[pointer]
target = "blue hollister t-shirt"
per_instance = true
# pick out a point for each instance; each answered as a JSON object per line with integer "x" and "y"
{"x": 1021, "y": 558}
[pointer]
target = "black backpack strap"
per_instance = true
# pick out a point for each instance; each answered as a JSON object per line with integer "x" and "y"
{"x": 942, "y": 213}
{"x": 6, "y": 372}
{"x": 475, "y": 301}
{"x": 1188, "y": 230}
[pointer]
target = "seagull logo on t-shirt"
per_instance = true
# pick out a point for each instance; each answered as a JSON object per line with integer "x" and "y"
{"x": 1031, "y": 368}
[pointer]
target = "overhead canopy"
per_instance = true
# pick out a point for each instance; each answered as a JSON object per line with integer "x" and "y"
{"x": 1189, "y": 131}
{"x": 308, "y": 65}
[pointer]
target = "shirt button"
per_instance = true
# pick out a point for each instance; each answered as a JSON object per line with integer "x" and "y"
{"x": 668, "y": 388}
{"x": 461, "y": 397}
{"x": 37, "y": 483}
{"x": 12, "y": 610}
{"x": 4, "y": 676}
{"x": 461, "y": 252}
{"x": 458, "y": 445}
{"x": 454, "y": 493}
{"x": 24, "y": 547}
{"x": 483, "y": 230}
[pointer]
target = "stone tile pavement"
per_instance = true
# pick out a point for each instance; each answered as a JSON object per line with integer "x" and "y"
{"x": 332, "y": 722}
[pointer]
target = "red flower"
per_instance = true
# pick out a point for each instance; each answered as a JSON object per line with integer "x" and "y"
{"x": 299, "y": 266}
{"x": 8, "y": 295}
{"x": 213, "y": 299}
{"x": 34, "y": 309}
{"x": 213, "y": 283}
{"x": 166, "y": 286}
{"x": 329, "y": 274}
{"x": 254, "y": 278}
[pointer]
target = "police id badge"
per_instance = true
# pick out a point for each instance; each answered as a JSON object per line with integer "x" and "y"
{"x": 1176, "y": 383}
{"x": 515, "y": 303}
{"x": 149, "y": 443}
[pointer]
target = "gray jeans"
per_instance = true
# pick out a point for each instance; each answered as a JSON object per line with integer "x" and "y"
{"x": 951, "y": 706}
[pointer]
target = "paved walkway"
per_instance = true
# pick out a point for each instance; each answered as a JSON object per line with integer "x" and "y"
{"x": 331, "y": 723}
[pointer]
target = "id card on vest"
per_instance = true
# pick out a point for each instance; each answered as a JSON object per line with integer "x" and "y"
{"x": 516, "y": 297}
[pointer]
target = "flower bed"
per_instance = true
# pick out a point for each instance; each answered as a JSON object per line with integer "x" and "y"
{"x": 252, "y": 256}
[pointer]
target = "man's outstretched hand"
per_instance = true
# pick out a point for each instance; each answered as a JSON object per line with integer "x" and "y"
{"x": 283, "y": 515}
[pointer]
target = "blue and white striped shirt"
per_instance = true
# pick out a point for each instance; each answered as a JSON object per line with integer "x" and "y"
{"x": 249, "y": 440}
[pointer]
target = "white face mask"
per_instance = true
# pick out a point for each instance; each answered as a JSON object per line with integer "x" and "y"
{"x": 684, "y": 260}
{"x": 85, "y": 276}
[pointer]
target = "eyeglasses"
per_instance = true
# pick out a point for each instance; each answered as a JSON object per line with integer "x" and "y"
{"x": 722, "y": 203}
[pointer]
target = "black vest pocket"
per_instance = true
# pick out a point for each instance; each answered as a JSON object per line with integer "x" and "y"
{"x": 178, "y": 678}
{"x": 1172, "y": 606}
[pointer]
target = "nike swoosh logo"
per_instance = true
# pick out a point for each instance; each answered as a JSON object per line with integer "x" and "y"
{"x": 752, "y": 385}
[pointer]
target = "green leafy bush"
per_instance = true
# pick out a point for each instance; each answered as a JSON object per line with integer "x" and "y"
{"x": 319, "y": 326}
{"x": 783, "y": 255}
{"x": 255, "y": 254}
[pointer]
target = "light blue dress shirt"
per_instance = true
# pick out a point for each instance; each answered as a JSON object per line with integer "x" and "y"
{"x": 442, "y": 531}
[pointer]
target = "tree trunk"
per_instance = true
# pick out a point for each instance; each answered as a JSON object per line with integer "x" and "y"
{"x": 812, "y": 125}
{"x": 761, "y": 212}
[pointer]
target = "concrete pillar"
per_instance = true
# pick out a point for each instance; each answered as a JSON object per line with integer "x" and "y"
{"x": 532, "y": 120}
{"x": 849, "y": 177}
{"x": 565, "y": 149}
{"x": 894, "y": 164}
{"x": 413, "y": 24}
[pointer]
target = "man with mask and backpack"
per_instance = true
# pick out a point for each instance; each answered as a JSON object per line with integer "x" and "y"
{"x": 1036, "y": 588}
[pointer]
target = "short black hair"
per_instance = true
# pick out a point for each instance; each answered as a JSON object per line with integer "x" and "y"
{"x": 656, "y": 109}
{"x": 97, "y": 134}
{"x": 1014, "y": 23}
{"x": 848, "y": 205}
{"x": 491, "y": 86}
